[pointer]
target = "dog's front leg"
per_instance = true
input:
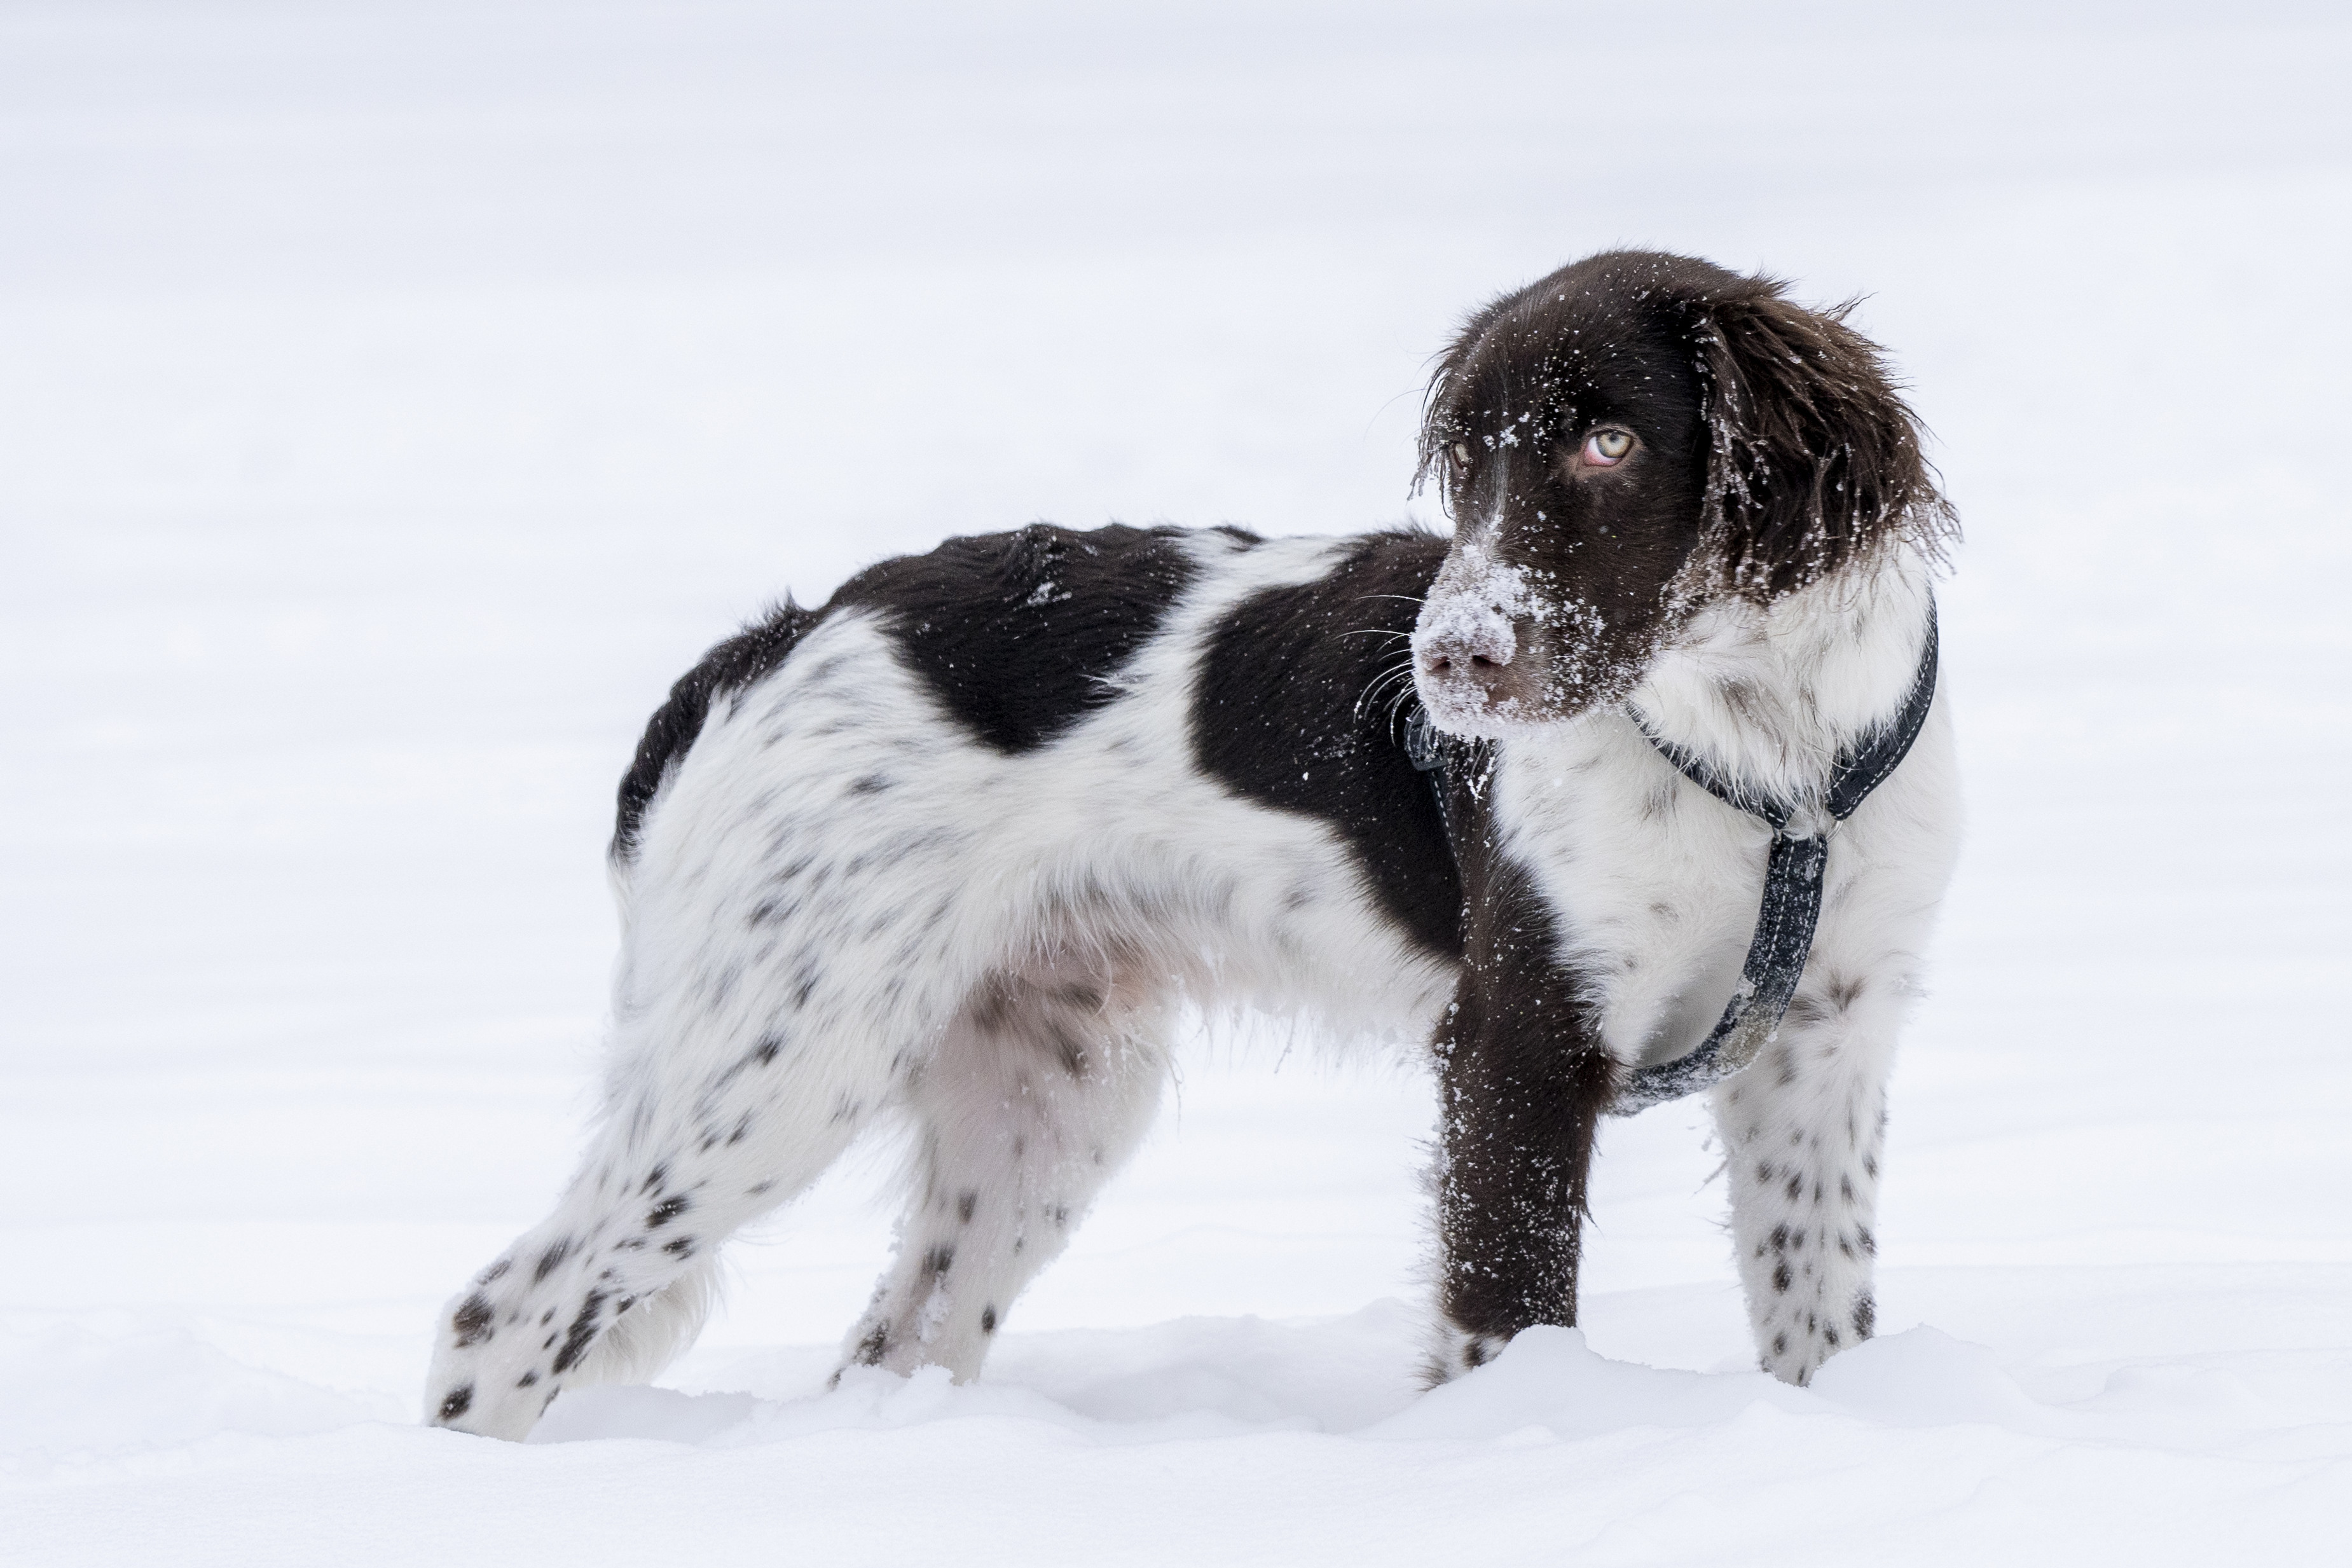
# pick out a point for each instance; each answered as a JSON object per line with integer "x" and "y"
{"x": 1801, "y": 1131}
{"x": 1523, "y": 1084}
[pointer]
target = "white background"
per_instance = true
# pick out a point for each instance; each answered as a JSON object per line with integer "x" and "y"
{"x": 394, "y": 398}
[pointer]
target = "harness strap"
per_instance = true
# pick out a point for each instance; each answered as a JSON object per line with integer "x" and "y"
{"x": 1793, "y": 875}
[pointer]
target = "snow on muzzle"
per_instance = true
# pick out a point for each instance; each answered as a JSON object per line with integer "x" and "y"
{"x": 1470, "y": 646}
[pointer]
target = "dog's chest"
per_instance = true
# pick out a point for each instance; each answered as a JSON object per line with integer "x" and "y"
{"x": 1654, "y": 886}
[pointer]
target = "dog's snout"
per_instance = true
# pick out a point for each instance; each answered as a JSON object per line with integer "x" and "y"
{"x": 1465, "y": 661}
{"x": 1479, "y": 644}
{"x": 1452, "y": 655}
{"x": 1483, "y": 640}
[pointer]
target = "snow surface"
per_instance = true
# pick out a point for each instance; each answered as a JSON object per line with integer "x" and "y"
{"x": 394, "y": 398}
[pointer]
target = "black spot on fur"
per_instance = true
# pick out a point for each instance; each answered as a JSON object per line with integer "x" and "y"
{"x": 988, "y": 1319}
{"x": 737, "y": 663}
{"x": 458, "y": 1402}
{"x": 993, "y": 1003}
{"x": 472, "y": 1320}
{"x": 548, "y": 1260}
{"x": 526, "y": 1380}
{"x": 682, "y": 1247}
{"x": 966, "y": 1205}
{"x": 654, "y": 1178}
{"x": 1866, "y": 1316}
{"x": 581, "y": 1333}
{"x": 1299, "y": 704}
{"x": 873, "y": 1346}
{"x": 870, "y": 784}
{"x": 765, "y": 1051}
{"x": 1781, "y": 1345}
{"x": 1781, "y": 1277}
{"x": 1017, "y": 633}
{"x": 665, "y": 1210}
{"x": 938, "y": 1259}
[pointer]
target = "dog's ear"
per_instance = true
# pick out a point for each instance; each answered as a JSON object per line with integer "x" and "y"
{"x": 1814, "y": 457}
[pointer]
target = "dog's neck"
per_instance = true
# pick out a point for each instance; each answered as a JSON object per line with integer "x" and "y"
{"x": 1768, "y": 695}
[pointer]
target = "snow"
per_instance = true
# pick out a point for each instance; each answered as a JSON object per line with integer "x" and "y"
{"x": 396, "y": 398}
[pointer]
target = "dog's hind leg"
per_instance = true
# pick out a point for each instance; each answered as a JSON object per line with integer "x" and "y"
{"x": 1042, "y": 1089}
{"x": 709, "y": 1123}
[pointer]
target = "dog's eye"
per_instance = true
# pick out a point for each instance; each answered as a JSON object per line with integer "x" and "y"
{"x": 1606, "y": 448}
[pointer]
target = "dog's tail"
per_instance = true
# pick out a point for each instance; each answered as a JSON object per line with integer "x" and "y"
{"x": 735, "y": 664}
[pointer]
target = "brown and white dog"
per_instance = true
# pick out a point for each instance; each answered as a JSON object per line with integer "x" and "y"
{"x": 960, "y": 847}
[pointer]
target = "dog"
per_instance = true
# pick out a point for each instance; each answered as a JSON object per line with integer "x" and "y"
{"x": 960, "y": 848}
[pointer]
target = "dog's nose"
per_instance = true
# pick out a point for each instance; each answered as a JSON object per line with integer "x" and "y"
{"x": 1446, "y": 659}
{"x": 1478, "y": 647}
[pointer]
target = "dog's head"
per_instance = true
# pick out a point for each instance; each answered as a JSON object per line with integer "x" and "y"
{"x": 1627, "y": 441}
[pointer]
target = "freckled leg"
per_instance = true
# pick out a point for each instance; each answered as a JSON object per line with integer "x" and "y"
{"x": 696, "y": 1139}
{"x": 1801, "y": 1131}
{"x": 1036, "y": 1099}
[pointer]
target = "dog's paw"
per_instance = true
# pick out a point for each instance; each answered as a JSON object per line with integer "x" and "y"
{"x": 1454, "y": 1351}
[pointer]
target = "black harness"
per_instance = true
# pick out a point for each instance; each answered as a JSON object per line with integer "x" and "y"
{"x": 1792, "y": 882}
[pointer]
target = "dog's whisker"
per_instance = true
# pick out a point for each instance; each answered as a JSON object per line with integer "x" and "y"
{"x": 1401, "y": 669}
